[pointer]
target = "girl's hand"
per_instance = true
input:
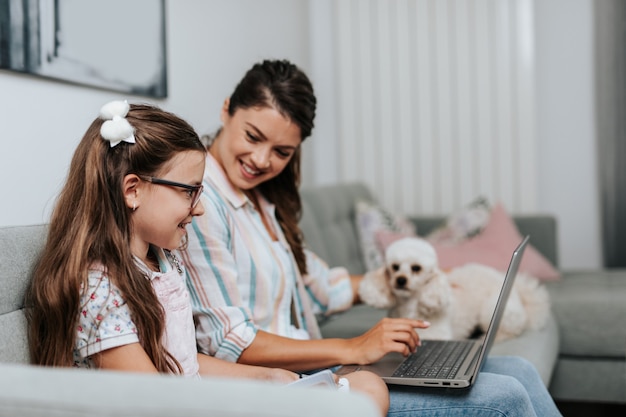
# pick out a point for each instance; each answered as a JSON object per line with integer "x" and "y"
{"x": 211, "y": 366}
{"x": 388, "y": 335}
{"x": 281, "y": 376}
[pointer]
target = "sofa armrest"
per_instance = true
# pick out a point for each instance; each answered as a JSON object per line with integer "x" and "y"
{"x": 542, "y": 229}
{"x": 38, "y": 391}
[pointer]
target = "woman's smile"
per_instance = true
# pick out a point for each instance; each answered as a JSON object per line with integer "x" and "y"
{"x": 249, "y": 171}
{"x": 255, "y": 145}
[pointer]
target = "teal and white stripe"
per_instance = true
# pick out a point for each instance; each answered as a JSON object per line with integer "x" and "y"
{"x": 241, "y": 281}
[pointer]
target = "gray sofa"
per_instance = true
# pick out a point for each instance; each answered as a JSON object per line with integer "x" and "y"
{"x": 27, "y": 390}
{"x": 580, "y": 354}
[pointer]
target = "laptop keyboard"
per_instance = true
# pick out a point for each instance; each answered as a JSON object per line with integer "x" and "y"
{"x": 435, "y": 359}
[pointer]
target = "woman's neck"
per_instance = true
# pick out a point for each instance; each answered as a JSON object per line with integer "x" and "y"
{"x": 254, "y": 198}
{"x": 211, "y": 146}
{"x": 252, "y": 195}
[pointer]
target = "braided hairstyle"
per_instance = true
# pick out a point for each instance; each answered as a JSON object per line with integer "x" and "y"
{"x": 281, "y": 85}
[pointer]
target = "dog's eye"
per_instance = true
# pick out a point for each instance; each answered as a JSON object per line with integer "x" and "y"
{"x": 395, "y": 267}
{"x": 416, "y": 268}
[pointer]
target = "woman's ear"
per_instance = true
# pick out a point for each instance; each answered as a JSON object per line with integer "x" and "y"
{"x": 224, "y": 113}
{"x": 130, "y": 189}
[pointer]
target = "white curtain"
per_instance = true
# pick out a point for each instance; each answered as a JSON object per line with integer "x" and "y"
{"x": 436, "y": 101}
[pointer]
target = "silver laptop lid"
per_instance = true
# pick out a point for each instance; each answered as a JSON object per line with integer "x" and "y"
{"x": 509, "y": 280}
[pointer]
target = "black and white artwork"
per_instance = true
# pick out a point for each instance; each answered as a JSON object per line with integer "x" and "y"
{"x": 117, "y": 45}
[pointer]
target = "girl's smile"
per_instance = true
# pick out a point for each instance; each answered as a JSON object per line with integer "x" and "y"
{"x": 165, "y": 203}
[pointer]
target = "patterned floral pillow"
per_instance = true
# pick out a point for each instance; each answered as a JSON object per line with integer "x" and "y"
{"x": 371, "y": 219}
{"x": 463, "y": 224}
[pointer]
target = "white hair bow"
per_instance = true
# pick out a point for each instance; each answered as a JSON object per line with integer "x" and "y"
{"x": 116, "y": 128}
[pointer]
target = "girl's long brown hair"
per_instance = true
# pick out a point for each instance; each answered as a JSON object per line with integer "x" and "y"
{"x": 281, "y": 85}
{"x": 91, "y": 224}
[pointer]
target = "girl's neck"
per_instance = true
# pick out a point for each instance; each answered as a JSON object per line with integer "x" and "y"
{"x": 152, "y": 261}
{"x": 144, "y": 252}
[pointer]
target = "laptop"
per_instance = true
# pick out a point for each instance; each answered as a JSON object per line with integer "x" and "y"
{"x": 445, "y": 363}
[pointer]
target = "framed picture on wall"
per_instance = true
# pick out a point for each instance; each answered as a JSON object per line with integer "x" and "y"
{"x": 116, "y": 45}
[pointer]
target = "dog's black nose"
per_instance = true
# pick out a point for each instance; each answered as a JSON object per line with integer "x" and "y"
{"x": 401, "y": 282}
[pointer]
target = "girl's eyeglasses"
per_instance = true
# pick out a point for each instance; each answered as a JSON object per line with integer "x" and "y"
{"x": 194, "y": 191}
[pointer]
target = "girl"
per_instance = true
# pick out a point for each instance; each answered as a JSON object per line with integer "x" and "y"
{"x": 255, "y": 288}
{"x": 109, "y": 290}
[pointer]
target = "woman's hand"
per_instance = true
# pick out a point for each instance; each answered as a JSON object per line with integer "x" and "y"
{"x": 388, "y": 335}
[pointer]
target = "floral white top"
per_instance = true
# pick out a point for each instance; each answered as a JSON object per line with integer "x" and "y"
{"x": 105, "y": 321}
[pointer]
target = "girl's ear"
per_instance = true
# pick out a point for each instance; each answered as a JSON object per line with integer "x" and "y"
{"x": 130, "y": 188}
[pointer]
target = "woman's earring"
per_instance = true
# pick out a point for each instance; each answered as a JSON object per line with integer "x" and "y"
{"x": 134, "y": 205}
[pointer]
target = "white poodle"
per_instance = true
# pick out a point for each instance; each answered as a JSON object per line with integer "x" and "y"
{"x": 458, "y": 303}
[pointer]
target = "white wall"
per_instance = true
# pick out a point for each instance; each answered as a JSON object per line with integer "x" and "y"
{"x": 212, "y": 42}
{"x": 566, "y": 133}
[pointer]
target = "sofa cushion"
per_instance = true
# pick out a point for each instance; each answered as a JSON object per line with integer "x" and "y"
{"x": 493, "y": 247}
{"x": 312, "y": 236}
{"x": 64, "y": 392}
{"x": 333, "y": 230}
{"x": 19, "y": 247}
{"x": 586, "y": 304}
{"x": 540, "y": 347}
{"x": 13, "y": 338}
{"x": 589, "y": 379}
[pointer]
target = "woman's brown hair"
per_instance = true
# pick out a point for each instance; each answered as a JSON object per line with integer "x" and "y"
{"x": 281, "y": 85}
{"x": 91, "y": 225}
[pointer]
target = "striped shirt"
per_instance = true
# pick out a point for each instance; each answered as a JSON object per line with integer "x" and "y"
{"x": 240, "y": 280}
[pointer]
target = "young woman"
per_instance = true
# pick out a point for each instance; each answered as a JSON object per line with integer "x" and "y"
{"x": 109, "y": 291}
{"x": 254, "y": 286}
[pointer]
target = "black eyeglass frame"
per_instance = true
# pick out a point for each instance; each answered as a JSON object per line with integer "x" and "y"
{"x": 197, "y": 189}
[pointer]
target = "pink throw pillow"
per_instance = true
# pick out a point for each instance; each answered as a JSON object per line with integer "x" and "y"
{"x": 494, "y": 247}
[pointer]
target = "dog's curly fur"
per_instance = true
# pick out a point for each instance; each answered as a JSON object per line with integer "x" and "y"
{"x": 458, "y": 303}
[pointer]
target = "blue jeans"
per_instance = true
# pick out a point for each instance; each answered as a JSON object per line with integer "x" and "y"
{"x": 507, "y": 386}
